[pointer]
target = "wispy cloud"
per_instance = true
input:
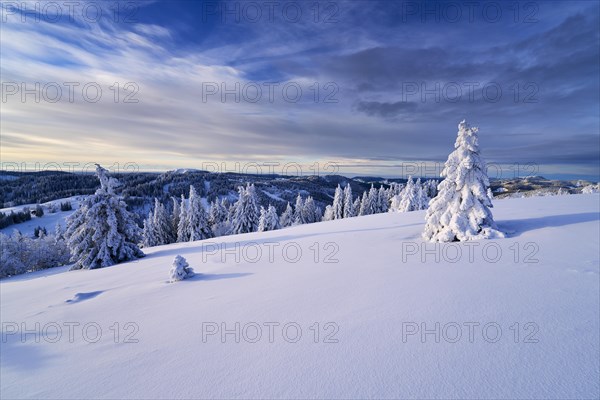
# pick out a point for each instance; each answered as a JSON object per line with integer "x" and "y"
{"x": 363, "y": 62}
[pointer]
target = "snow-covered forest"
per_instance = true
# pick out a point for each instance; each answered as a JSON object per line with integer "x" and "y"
{"x": 457, "y": 209}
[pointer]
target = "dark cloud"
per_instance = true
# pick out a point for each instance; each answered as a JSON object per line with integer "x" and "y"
{"x": 384, "y": 109}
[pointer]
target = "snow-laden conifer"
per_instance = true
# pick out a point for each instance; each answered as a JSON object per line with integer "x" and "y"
{"x": 180, "y": 269}
{"x": 349, "y": 210}
{"x": 102, "y": 232}
{"x": 461, "y": 209}
{"x": 197, "y": 218}
{"x": 299, "y": 211}
{"x": 246, "y": 212}
{"x": 309, "y": 211}
{"x": 338, "y": 203}
{"x": 287, "y": 217}
{"x": 269, "y": 221}
{"x": 183, "y": 232}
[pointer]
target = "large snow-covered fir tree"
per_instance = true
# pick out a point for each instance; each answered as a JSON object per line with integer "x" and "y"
{"x": 246, "y": 213}
{"x": 102, "y": 232}
{"x": 461, "y": 209}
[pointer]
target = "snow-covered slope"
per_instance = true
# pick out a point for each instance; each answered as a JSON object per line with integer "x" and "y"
{"x": 366, "y": 305}
{"x": 48, "y": 220}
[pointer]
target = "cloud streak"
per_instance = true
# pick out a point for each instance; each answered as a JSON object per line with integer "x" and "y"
{"x": 386, "y": 102}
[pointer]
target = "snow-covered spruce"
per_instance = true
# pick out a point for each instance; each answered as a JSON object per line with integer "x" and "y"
{"x": 460, "y": 211}
{"x": 328, "y": 215}
{"x": 217, "y": 218}
{"x": 162, "y": 224}
{"x": 148, "y": 232}
{"x": 197, "y": 225}
{"x": 180, "y": 269}
{"x": 298, "y": 214}
{"x": 269, "y": 221}
{"x": 310, "y": 214}
{"x": 338, "y": 203}
{"x": 246, "y": 212}
{"x": 183, "y": 233}
{"x": 349, "y": 210}
{"x": 102, "y": 232}
{"x": 287, "y": 217}
{"x": 408, "y": 197}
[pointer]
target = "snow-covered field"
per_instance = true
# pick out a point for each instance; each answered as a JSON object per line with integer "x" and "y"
{"x": 48, "y": 220}
{"x": 336, "y": 309}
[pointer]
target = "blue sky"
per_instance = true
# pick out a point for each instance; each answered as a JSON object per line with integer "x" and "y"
{"x": 393, "y": 80}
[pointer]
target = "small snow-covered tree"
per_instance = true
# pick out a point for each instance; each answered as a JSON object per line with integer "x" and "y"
{"x": 102, "y": 232}
{"x": 180, "y": 269}
{"x": 197, "y": 218}
{"x": 287, "y": 217}
{"x": 338, "y": 203}
{"x": 461, "y": 209}
{"x": 349, "y": 210}
{"x": 269, "y": 221}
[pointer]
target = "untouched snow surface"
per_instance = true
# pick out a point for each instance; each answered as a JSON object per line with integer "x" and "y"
{"x": 368, "y": 302}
